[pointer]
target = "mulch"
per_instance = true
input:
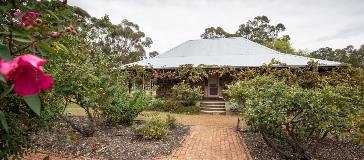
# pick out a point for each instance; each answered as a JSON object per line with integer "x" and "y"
{"x": 329, "y": 149}
{"x": 108, "y": 142}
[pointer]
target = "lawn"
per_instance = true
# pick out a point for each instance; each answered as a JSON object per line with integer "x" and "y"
{"x": 200, "y": 119}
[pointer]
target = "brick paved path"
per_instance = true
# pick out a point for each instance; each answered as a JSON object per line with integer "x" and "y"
{"x": 210, "y": 143}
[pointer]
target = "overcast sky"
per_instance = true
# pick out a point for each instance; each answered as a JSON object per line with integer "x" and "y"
{"x": 311, "y": 24}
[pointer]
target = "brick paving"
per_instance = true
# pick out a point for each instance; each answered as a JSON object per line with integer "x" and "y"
{"x": 212, "y": 137}
{"x": 210, "y": 143}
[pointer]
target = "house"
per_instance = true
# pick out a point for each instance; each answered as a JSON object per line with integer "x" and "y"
{"x": 235, "y": 52}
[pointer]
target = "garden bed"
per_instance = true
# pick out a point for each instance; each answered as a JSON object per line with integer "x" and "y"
{"x": 327, "y": 150}
{"x": 108, "y": 142}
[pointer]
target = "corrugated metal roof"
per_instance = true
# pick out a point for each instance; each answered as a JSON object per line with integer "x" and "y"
{"x": 236, "y": 52}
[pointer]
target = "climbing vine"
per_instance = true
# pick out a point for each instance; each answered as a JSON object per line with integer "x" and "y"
{"x": 309, "y": 76}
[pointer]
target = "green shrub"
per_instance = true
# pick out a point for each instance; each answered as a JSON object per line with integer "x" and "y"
{"x": 155, "y": 128}
{"x": 171, "y": 105}
{"x": 292, "y": 118}
{"x": 185, "y": 94}
{"x": 124, "y": 108}
{"x": 156, "y": 105}
{"x": 171, "y": 121}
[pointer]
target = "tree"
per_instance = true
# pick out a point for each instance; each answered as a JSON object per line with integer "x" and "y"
{"x": 217, "y": 32}
{"x": 123, "y": 42}
{"x": 258, "y": 30}
{"x": 348, "y": 55}
{"x": 153, "y": 54}
{"x": 357, "y": 58}
{"x": 83, "y": 57}
{"x": 283, "y": 45}
{"x": 324, "y": 53}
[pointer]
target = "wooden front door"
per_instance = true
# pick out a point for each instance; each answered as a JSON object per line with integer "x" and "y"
{"x": 213, "y": 86}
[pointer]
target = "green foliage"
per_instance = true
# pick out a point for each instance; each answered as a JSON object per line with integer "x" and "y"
{"x": 22, "y": 121}
{"x": 33, "y": 102}
{"x": 215, "y": 32}
{"x": 282, "y": 45}
{"x": 157, "y": 105}
{"x": 170, "y": 105}
{"x": 153, "y": 54}
{"x": 26, "y": 116}
{"x": 156, "y": 128}
{"x": 240, "y": 91}
{"x": 171, "y": 121}
{"x": 185, "y": 94}
{"x": 124, "y": 42}
{"x": 124, "y": 108}
{"x": 347, "y": 55}
{"x": 84, "y": 57}
{"x": 258, "y": 30}
{"x": 290, "y": 117}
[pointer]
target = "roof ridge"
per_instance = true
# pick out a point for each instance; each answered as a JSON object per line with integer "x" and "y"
{"x": 172, "y": 49}
{"x": 277, "y": 52}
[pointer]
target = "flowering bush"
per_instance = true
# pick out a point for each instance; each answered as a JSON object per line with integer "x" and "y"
{"x": 25, "y": 41}
{"x": 26, "y": 20}
{"x": 80, "y": 69}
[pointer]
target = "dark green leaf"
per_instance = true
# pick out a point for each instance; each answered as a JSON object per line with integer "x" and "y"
{"x": 4, "y": 124}
{"x": 64, "y": 48}
{"x": 7, "y": 90}
{"x": 2, "y": 78}
{"x": 54, "y": 15}
{"x": 42, "y": 51}
{"x": 4, "y": 52}
{"x": 17, "y": 32}
{"x": 33, "y": 102}
{"x": 46, "y": 47}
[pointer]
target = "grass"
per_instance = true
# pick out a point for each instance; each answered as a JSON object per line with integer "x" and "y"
{"x": 75, "y": 110}
{"x": 187, "y": 110}
{"x": 195, "y": 119}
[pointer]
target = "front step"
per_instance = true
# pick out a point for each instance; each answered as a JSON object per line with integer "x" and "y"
{"x": 213, "y": 112}
{"x": 212, "y": 102}
{"x": 212, "y": 107}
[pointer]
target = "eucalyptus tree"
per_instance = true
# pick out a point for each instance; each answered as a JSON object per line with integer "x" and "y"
{"x": 258, "y": 30}
{"x": 348, "y": 55}
{"x": 123, "y": 42}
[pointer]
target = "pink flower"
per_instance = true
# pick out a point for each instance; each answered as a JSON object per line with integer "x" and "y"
{"x": 17, "y": 13}
{"x": 55, "y": 34}
{"x": 28, "y": 19}
{"x": 27, "y": 74}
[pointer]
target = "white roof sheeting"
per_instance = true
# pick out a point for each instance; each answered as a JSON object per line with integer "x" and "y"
{"x": 236, "y": 52}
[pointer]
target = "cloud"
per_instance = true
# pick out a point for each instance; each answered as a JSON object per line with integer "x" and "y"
{"x": 348, "y": 32}
{"x": 311, "y": 24}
